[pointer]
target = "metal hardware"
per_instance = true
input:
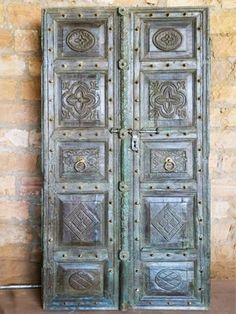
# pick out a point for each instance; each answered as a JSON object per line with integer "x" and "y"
{"x": 124, "y": 255}
{"x": 122, "y": 64}
{"x": 121, "y": 132}
{"x": 123, "y": 187}
{"x": 80, "y": 165}
{"x": 9, "y": 287}
{"x": 169, "y": 164}
{"x": 135, "y": 142}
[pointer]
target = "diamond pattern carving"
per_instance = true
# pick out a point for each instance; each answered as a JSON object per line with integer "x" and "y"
{"x": 158, "y": 158}
{"x": 167, "y": 222}
{"x": 167, "y": 99}
{"x": 81, "y": 222}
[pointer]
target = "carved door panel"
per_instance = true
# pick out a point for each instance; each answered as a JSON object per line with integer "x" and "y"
{"x": 126, "y": 217}
{"x": 80, "y": 168}
{"x": 170, "y": 200}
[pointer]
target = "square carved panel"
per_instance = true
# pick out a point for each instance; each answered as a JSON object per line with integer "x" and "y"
{"x": 82, "y": 161}
{"x": 84, "y": 39}
{"x": 168, "y": 39}
{"x": 81, "y": 99}
{"x": 82, "y": 219}
{"x": 169, "y": 279}
{"x": 169, "y": 222}
{"x": 80, "y": 279}
{"x": 167, "y": 160}
{"x": 167, "y": 99}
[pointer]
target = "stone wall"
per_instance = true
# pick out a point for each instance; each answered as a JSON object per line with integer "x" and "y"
{"x": 20, "y": 180}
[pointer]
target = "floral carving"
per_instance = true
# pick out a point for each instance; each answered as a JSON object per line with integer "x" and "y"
{"x": 80, "y": 40}
{"x": 167, "y": 100}
{"x": 80, "y": 100}
{"x": 167, "y": 39}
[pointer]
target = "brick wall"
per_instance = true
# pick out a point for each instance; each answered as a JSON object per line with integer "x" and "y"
{"x": 20, "y": 180}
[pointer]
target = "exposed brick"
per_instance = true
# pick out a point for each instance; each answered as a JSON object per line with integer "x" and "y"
{"x": 7, "y": 186}
{"x": 30, "y": 185}
{"x": 19, "y": 271}
{"x": 14, "y": 137}
{"x": 14, "y": 210}
{"x": 15, "y": 233}
{"x": 35, "y": 138}
{"x": 1, "y": 13}
{"x": 11, "y": 162}
{"x": 24, "y": 15}
{"x": 222, "y": 71}
{"x": 6, "y": 39}
{"x": 223, "y": 21}
{"x": 182, "y": 3}
{"x": 224, "y": 46}
{"x": 229, "y": 4}
{"x": 11, "y": 65}
{"x": 224, "y": 93}
{"x": 30, "y": 90}
{"x": 35, "y": 66}
{"x": 17, "y": 115}
{"x": 26, "y": 40}
{"x": 8, "y": 89}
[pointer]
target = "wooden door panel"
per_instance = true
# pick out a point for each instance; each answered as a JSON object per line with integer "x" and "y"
{"x": 81, "y": 198}
{"x": 125, "y": 158}
{"x": 170, "y": 172}
{"x": 167, "y": 98}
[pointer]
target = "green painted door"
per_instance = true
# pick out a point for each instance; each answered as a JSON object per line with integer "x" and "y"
{"x": 125, "y": 158}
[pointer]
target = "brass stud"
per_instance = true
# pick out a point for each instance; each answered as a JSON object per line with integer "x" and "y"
{"x": 167, "y": 65}
{"x": 49, "y": 29}
{"x": 110, "y": 28}
{"x": 168, "y": 187}
{"x": 199, "y": 28}
{"x": 63, "y": 15}
{"x": 79, "y": 187}
{"x": 50, "y": 119}
{"x": 136, "y": 119}
{"x": 136, "y": 29}
{"x": 167, "y": 14}
{"x": 151, "y": 254}
{"x": 110, "y": 270}
{"x": 199, "y": 149}
{"x": 95, "y": 14}
{"x": 110, "y": 221}
{"x": 110, "y": 118}
{"x": 96, "y": 134}
{"x": 150, "y": 187}
{"x": 96, "y": 65}
{"x": 110, "y": 202}
{"x": 200, "y": 289}
{"x": 110, "y": 99}
{"x": 150, "y": 134}
{"x": 184, "y": 14}
{"x": 96, "y": 187}
{"x": 136, "y": 239}
{"x": 200, "y": 238}
{"x": 199, "y": 80}
{"x": 110, "y": 149}
{"x": 79, "y": 15}
{"x": 199, "y": 98}
{"x": 136, "y": 203}
{"x": 136, "y": 100}
{"x": 136, "y": 270}
{"x": 199, "y": 202}
{"x": 167, "y": 134}
{"x": 184, "y": 65}
{"x": 111, "y": 239}
{"x": 189, "y": 303}
{"x": 184, "y": 133}
{"x": 199, "y": 117}
{"x": 80, "y": 134}
{"x": 63, "y": 187}
{"x": 110, "y": 170}
{"x": 199, "y": 48}
{"x": 63, "y": 65}
{"x": 200, "y": 219}
{"x": 110, "y": 49}
{"x": 50, "y": 150}
{"x": 136, "y": 49}
{"x": 50, "y": 49}
{"x": 50, "y": 81}
{"x": 80, "y": 65}
{"x": 168, "y": 254}
{"x": 136, "y": 170}
{"x": 136, "y": 82}
{"x": 184, "y": 187}
{"x": 109, "y": 80}
{"x": 199, "y": 170}
{"x": 79, "y": 255}
{"x": 150, "y": 14}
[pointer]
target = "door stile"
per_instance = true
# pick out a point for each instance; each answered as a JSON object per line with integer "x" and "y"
{"x": 125, "y": 254}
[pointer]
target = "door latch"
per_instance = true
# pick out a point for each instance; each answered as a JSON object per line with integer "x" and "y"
{"x": 135, "y": 142}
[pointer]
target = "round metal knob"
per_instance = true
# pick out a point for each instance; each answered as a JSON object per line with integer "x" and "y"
{"x": 169, "y": 164}
{"x": 80, "y": 165}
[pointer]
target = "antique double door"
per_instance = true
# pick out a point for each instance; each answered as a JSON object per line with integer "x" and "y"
{"x": 125, "y": 157}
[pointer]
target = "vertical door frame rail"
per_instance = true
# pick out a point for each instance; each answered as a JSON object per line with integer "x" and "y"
{"x": 127, "y": 134}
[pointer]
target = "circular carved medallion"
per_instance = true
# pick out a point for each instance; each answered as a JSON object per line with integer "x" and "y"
{"x": 80, "y": 40}
{"x": 168, "y": 279}
{"x": 81, "y": 280}
{"x": 167, "y": 39}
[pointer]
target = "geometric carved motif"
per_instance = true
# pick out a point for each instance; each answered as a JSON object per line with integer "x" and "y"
{"x": 83, "y": 280}
{"x": 159, "y": 157}
{"x": 167, "y": 99}
{"x": 81, "y": 160}
{"x": 167, "y": 39}
{"x": 167, "y": 222}
{"x": 168, "y": 279}
{"x": 80, "y": 100}
{"x": 81, "y": 222}
{"x": 80, "y": 40}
